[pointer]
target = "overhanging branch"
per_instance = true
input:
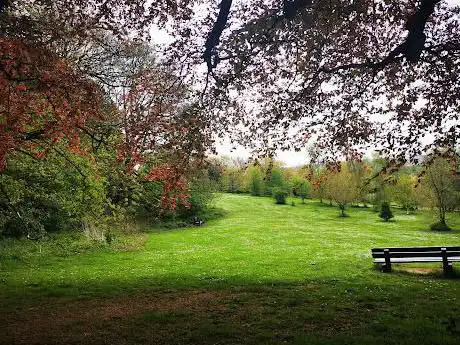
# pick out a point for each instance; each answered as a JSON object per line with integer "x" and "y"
{"x": 210, "y": 55}
{"x": 411, "y": 48}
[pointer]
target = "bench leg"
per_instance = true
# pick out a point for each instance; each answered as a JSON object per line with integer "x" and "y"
{"x": 448, "y": 269}
{"x": 387, "y": 266}
{"x": 446, "y": 265}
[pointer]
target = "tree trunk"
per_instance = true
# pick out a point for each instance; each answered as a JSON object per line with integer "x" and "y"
{"x": 442, "y": 217}
{"x": 442, "y": 211}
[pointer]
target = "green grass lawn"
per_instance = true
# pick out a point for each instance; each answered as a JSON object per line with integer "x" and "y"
{"x": 262, "y": 274}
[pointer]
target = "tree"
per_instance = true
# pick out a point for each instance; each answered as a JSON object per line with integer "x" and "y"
{"x": 318, "y": 179}
{"x": 405, "y": 192}
{"x": 45, "y": 93}
{"x": 342, "y": 189}
{"x": 300, "y": 187}
{"x": 360, "y": 172}
{"x": 43, "y": 101}
{"x": 381, "y": 182}
{"x": 381, "y": 190}
{"x": 303, "y": 191}
{"x": 274, "y": 178}
{"x": 255, "y": 181}
{"x": 385, "y": 212}
{"x": 232, "y": 180}
{"x": 377, "y": 57}
{"x": 440, "y": 192}
{"x": 71, "y": 69}
{"x": 280, "y": 194}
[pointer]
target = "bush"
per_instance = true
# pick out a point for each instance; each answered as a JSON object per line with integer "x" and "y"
{"x": 385, "y": 212}
{"x": 49, "y": 195}
{"x": 280, "y": 195}
{"x": 440, "y": 226}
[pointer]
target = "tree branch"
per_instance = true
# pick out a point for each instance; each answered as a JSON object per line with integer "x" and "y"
{"x": 413, "y": 46}
{"x": 214, "y": 36}
{"x": 3, "y": 4}
{"x": 291, "y": 7}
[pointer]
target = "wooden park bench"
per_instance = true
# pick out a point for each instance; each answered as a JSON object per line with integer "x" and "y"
{"x": 197, "y": 221}
{"x": 387, "y": 256}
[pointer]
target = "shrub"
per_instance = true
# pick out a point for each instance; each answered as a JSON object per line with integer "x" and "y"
{"x": 280, "y": 195}
{"x": 385, "y": 212}
{"x": 440, "y": 226}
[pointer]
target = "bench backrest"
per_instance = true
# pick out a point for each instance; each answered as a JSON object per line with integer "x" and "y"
{"x": 411, "y": 252}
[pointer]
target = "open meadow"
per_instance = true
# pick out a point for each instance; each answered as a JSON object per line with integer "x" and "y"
{"x": 260, "y": 274}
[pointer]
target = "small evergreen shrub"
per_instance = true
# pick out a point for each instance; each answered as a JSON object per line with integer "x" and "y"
{"x": 280, "y": 195}
{"x": 440, "y": 226}
{"x": 385, "y": 212}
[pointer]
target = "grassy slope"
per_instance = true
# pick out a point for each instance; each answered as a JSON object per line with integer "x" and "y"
{"x": 262, "y": 274}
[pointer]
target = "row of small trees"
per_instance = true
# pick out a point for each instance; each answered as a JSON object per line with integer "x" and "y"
{"x": 265, "y": 178}
{"x": 360, "y": 183}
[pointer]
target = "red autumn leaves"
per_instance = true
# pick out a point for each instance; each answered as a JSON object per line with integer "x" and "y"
{"x": 43, "y": 100}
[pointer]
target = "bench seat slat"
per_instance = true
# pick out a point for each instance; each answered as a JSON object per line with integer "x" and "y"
{"x": 415, "y": 254}
{"x": 416, "y": 249}
{"x": 415, "y": 259}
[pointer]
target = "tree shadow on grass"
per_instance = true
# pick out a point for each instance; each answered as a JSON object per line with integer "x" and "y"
{"x": 420, "y": 272}
{"x": 429, "y": 231}
{"x": 434, "y": 273}
{"x": 238, "y": 311}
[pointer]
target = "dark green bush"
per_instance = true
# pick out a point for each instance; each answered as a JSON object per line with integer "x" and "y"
{"x": 440, "y": 226}
{"x": 385, "y": 212}
{"x": 280, "y": 195}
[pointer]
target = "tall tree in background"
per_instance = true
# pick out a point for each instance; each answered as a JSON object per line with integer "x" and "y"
{"x": 439, "y": 180}
{"x": 342, "y": 188}
{"x": 405, "y": 192}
